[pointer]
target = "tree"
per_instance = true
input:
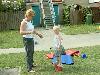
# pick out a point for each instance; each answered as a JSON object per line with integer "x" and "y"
{"x": 12, "y": 5}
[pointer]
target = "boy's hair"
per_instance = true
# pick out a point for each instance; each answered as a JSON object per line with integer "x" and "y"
{"x": 29, "y": 12}
{"x": 56, "y": 28}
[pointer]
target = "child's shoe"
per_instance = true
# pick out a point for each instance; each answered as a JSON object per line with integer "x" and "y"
{"x": 31, "y": 71}
{"x": 58, "y": 68}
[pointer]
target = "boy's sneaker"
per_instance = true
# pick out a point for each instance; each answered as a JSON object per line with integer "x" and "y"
{"x": 31, "y": 71}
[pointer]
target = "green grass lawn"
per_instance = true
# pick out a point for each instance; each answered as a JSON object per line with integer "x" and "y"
{"x": 10, "y": 39}
{"x": 88, "y": 66}
{"x": 79, "y": 29}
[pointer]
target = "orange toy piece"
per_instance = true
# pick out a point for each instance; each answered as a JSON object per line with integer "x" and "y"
{"x": 72, "y": 52}
{"x": 50, "y": 55}
{"x": 98, "y": 28}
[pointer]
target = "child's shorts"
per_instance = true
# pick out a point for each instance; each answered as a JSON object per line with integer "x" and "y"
{"x": 59, "y": 52}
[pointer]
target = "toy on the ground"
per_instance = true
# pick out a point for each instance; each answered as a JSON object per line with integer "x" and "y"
{"x": 50, "y": 55}
{"x": 98, "y": 28}
{"x": 65, "y": 59}
{"x": 83, "y": 55}
{"x": 72, "y": 52}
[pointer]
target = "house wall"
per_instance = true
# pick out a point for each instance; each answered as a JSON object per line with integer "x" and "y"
{"x": 81, "y": 2}
{"x": 60, "y": 14}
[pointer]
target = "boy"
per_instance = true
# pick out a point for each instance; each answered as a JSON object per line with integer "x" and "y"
{"x": 57, "y": 45}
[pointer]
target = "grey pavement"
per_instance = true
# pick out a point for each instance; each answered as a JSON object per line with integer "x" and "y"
{"x": 10, "y": 71}
{"x": 69, "y": 41}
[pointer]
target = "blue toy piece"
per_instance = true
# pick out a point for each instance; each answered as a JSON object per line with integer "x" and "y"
{"x": 54, "y": 60}
{"x": 69, "y": 59}
{"x": 65, "y": 59}
{"x": 84, "y": 56}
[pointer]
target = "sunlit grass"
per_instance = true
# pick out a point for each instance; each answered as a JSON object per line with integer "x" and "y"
{"x": 88, "y": 66}
{"x": 80, "y": 29}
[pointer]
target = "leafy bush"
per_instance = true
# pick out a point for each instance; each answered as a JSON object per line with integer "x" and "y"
{"x": 66, "y": 13}
{"x": 86, "y": 10}
{"x": 7, "y": 5}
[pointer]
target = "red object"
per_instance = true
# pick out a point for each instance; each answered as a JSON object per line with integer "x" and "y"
{"x": 50, "y": 56}
{"x": 72, "y": 52}
{"x": 56, "y": 0}
{"x": 58, "y": 68}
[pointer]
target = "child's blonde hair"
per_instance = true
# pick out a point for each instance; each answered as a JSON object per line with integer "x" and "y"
{"x": 29, "y": 12}
{"x": 56, "y": 28}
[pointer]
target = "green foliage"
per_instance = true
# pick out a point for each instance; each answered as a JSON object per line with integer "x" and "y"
{"x": 12, "y": 5}
{"x": 86, "y": 10}
{"x": 66, "y": 14}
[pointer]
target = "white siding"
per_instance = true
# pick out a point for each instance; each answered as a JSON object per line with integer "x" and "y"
{"x": 92, "y": 1}
{"x": 96, "y": 0}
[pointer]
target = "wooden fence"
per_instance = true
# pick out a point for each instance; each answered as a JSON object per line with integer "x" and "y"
{"x": 11, "y": 20}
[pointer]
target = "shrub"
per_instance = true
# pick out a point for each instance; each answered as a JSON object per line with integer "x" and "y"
{"x": 12, "y": 5}
{"x": 66, "y": 13}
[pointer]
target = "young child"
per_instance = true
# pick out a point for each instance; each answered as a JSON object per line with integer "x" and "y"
{"x": 27, "y": 31}
{"x": 58, "y": 45}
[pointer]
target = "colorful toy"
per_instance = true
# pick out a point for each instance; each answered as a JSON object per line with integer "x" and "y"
{"x": 72, "y": 52}
{"x": 84, "y": 56}
{"x": 50, "y": 55}
{"x": 65, "y": 59}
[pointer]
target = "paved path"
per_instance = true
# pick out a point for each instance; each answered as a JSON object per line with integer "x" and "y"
{"x": 69, "y": 41}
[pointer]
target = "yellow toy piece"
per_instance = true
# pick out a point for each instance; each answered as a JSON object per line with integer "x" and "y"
{"x": 98, "y": 28}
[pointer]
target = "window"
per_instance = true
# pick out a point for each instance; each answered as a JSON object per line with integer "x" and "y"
{"x": 92, "y": 1}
